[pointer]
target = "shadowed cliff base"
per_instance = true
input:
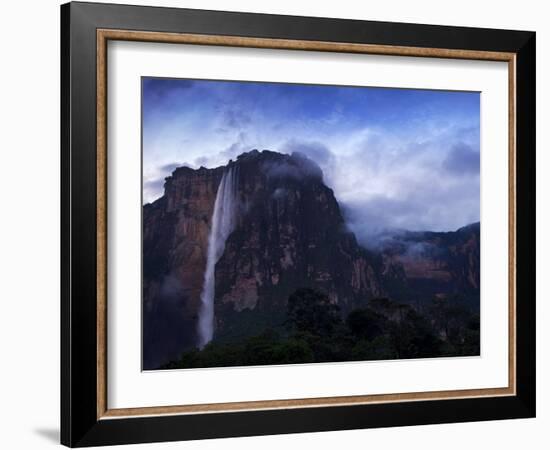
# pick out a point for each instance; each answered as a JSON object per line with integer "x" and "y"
{"x": 315, "y": 331}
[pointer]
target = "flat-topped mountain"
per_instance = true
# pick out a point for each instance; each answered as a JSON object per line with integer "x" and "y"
{"x": 224, "y": 248}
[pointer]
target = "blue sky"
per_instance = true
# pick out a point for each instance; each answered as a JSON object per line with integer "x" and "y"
{"x": 396, "y": 158}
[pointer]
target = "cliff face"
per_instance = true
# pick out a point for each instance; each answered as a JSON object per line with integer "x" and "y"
{"x": 289, "y": 234}
{"x": 421, "y": 265}
{"x": 175, "y": 239}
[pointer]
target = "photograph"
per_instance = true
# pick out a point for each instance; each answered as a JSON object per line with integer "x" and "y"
{"x": 277, "y": 223}
{"x": 301, "y": 223}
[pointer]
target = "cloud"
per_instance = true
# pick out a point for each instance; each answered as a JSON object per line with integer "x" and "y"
{"x": 234, "y": 118}
{"x": 170, "y": 167}
{"x": 314, "y": 150}
{"x": 240, "y": 145}
{"x": 152, "y": 189}
{"x": 171, "y": 290}
{"x": 158, "y": 88}
{"x": 462, "y": 159}
{"x": 297, "y": 167}
{"x": 435, "y": 206}
{"x": 394, "y": 158}
{"x": 425, "y": 179}
{"x": 201, "y": 161}
{"x": 153, "y": 183}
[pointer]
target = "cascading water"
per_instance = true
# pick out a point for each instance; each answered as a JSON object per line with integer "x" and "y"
{"x": 223, "y": 222}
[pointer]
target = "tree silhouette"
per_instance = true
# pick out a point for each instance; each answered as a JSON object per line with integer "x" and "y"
{"x": 310, "y": 311}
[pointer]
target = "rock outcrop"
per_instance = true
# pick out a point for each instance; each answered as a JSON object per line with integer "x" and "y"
{"x": 419, "y": 266}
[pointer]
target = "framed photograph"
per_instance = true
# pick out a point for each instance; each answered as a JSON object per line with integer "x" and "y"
{"x": 276, "y": 224}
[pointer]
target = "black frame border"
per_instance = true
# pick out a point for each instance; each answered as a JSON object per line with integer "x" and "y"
{"x": 79, "y": 423}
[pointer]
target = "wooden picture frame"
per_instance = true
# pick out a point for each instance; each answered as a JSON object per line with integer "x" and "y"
{"x": 86, "y": 418}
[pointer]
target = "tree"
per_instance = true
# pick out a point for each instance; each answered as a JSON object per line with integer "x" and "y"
{"x": 310, "y": 311}
{"x": 366, "y": 324}
{"x": 413, "y": 337}
{"x": 381, "y": 347}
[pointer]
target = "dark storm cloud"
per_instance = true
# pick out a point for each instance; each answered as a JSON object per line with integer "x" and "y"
{"x": 462, "y": 159}
{"x": 155, "y": 89}
{"x": 314, "y": 150}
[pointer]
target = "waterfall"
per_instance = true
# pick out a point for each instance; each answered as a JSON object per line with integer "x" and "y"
{"x": 223, "y": 222}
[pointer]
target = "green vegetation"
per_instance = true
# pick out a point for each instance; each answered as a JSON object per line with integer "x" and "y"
{"x": 315, "y": 331}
